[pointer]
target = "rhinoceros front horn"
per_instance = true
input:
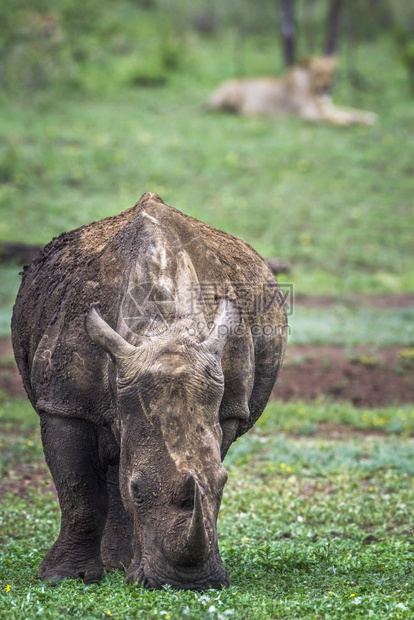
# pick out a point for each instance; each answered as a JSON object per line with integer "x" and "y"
{"x": 197, "y": 544}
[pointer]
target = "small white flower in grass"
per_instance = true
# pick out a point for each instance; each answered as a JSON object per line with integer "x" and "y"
{"x": 212, "y": 609}
{"x": 204, "y": 598}
{"x": 300, "y": 519}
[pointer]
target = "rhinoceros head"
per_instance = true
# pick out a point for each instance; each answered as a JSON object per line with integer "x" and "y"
{"x": 169, "y": 391}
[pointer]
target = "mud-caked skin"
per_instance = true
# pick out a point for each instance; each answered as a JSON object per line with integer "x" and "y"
{"x": 147, "y": 343}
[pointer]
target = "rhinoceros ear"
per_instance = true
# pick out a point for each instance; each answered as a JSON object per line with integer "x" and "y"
{"x": 226, "y": 322}
{"x": 104, "y": 336}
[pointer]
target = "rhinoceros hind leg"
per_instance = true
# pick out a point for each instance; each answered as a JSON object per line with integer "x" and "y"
{"x": 116, "y": 545}
{"x": 71, "y": 451}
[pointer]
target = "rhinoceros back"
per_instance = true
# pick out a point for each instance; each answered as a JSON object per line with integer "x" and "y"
{"x": 112, "y": 261}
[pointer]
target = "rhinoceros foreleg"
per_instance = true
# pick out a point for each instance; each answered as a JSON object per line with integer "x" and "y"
{"x": 71, "y": 451}
{"x": 116, "y": 545}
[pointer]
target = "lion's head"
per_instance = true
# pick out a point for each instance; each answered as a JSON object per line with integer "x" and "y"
{"x": 322, "y": 73}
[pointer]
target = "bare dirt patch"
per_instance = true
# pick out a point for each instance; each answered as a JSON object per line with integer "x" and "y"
{"x": 366, "y": 379}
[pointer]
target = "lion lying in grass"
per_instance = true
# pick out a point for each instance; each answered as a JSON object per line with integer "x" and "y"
{"x": 304, "y": 91}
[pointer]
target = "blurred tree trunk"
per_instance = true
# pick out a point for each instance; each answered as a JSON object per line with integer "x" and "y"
{"x": 402, "y": 16}
{"x": 332, "y": 27}
{"x": 309, "y": 26}
{"x": 287, "y": 22}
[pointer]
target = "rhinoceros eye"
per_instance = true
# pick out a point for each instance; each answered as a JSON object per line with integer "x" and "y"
{"x": 143, "y": 492}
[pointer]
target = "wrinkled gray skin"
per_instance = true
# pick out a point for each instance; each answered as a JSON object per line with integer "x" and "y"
{"x": 145, "y": 359}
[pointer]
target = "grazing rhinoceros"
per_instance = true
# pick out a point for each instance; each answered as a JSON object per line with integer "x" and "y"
{"x": 183, "y": 338}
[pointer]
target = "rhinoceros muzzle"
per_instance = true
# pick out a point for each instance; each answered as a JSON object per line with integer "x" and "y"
{"x": 157, "y": 571}
{"x": 187, "y": 557}
{"x": 216, "y": 578}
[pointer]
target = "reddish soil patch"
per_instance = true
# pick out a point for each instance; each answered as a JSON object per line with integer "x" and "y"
{"x": 365, "y": 379}
{"x": 309, "y": 372}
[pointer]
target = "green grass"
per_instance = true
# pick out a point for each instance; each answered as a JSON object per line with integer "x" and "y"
{"x": 303, "y": 418}
{"x": 343, "y": 325}
{"x": 335, "y": 202}
{"x": 309, "y": 527}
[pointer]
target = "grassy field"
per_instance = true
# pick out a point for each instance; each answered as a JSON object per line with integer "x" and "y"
{"x": 336, "y": 203}
{"x": 316, "y": 520}
{"x": 311, "y": 525}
